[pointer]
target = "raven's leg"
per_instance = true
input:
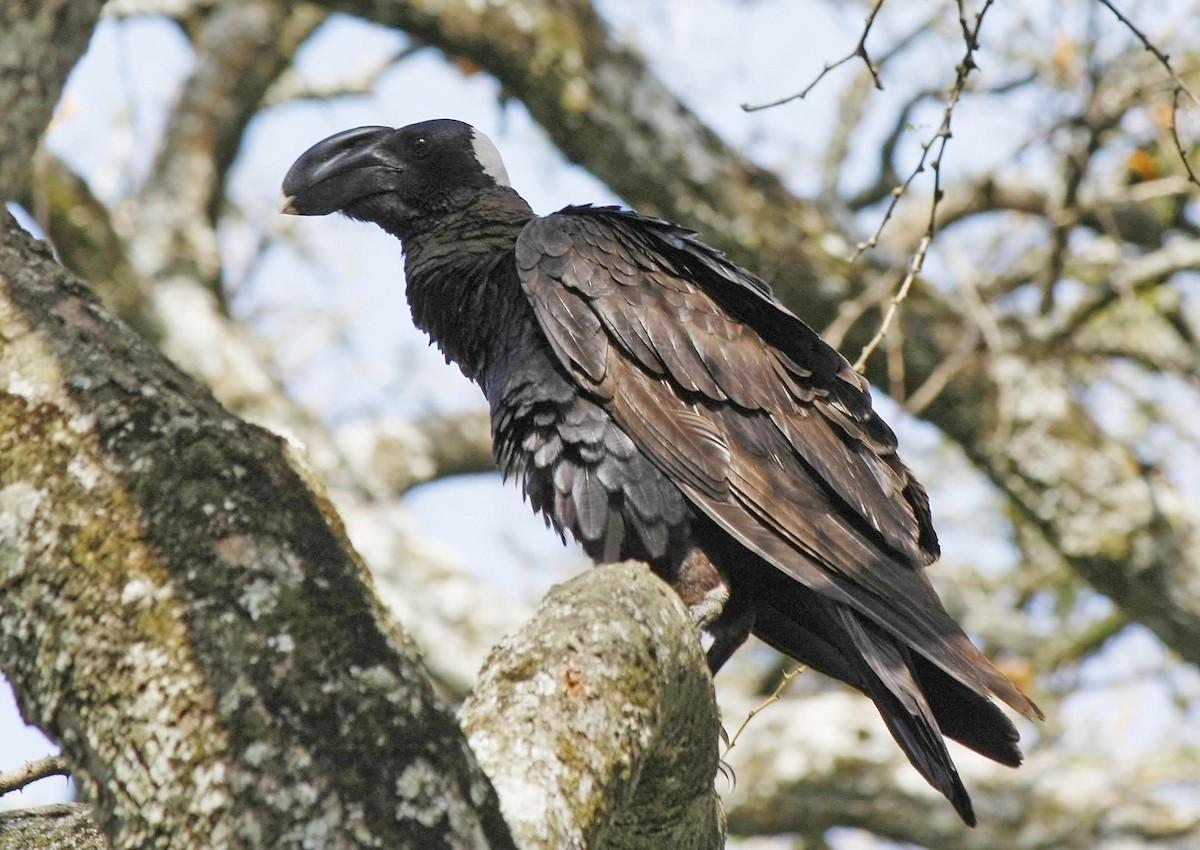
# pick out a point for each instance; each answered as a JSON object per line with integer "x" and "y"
{"x": 730, "y": 630}
{"x": 705, "y": 590}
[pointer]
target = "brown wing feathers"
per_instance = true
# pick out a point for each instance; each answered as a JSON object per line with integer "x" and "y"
{"x": 776, "y": 442}
{"x": 669, "y": 327}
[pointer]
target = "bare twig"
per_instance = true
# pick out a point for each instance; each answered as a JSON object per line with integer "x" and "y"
{"x": 914, "y": 268}
{"x": 773, "y": 698}
{"x": 1173, "y": 130}
{"x": 966, "y": 65}
{"x": 30, "y": 772}
{"x": 885, "y": 182}
{"x": 1181, "y": 86}
{"x": 1163, "y": 58}
{"x": 853, "y": 105}
{"x": 859, "y": 51}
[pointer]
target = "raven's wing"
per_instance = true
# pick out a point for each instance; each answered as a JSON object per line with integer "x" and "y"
{"x": 764, "y": 427}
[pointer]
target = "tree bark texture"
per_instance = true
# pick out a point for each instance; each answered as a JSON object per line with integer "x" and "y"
{"x": 40, "y": 41}
{"x": 63, "y": 827}
{"x": 597, "y": 722}
{"x": 187, "y": 619}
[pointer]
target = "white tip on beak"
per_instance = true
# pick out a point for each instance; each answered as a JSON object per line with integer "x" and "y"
{"x": 286, "y": 206}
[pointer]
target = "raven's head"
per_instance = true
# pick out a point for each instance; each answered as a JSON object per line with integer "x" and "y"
{"x": 392, "y": 176}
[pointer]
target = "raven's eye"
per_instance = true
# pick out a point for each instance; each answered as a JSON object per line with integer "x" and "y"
{"x": 419, "y": 145}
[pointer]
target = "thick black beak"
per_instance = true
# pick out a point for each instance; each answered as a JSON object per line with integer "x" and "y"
{"x": 338, "y": 171}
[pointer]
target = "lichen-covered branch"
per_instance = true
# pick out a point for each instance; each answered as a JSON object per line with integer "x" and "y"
{"x": 597, "y": 723}
{"x": 187, "y": 619}
{"x": 65, "y": 827}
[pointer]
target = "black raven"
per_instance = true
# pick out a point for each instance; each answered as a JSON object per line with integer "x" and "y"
{"x": 657, "y": 402}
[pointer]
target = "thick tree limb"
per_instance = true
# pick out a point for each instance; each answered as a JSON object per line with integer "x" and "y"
{"x": 597, "y": 723}
{"x": 187, "y": 619}
{"x": 65, "y": 827}
{"x": 173, "y": 250}
{"x": 596, "y": 720}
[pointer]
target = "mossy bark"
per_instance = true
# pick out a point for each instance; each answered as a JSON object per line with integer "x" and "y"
{"x": 187, "y": 619}
{"x": 597, "y": 721}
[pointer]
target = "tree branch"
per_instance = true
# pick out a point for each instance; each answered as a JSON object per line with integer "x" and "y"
{"x": 970, "y": 34}
{"x": 30, "y": 772}
{"x": 606, "y": 688}
{"x": 859, "y": 51}
{"x": 187, "y": 619}
{"x": 39, "y": 42}
{"x": 64, "y": 827}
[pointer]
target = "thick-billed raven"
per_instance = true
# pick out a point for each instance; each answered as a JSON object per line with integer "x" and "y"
{"x": 658, "y": 403}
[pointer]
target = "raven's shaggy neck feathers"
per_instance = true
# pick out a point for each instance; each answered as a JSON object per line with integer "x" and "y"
{"x": 462, "y": 279}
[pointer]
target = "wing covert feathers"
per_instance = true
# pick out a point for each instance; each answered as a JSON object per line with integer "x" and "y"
{"x": 764, "y": 428}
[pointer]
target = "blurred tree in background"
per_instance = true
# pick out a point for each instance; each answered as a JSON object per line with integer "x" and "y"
{"x": 1008, "y": 190}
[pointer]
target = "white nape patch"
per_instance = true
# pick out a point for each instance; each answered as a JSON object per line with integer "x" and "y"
{"x": 489, "y": 158}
